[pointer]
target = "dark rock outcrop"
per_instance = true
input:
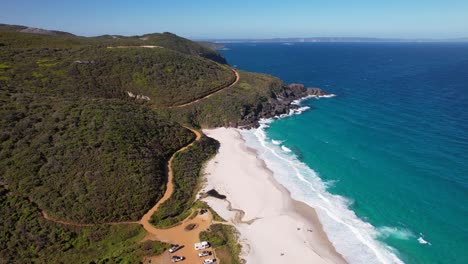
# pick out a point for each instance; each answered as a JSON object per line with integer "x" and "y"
{"x": 278, "y": 104}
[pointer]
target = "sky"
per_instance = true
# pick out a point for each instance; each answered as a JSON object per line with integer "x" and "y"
{"x": 208, "y": 19}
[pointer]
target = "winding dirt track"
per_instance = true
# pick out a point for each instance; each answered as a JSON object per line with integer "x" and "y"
{"x": 145, "y": 220}
{"x": 177, "y": 234}
{"x": 211, "y": 94}
{"x": 170, "y": 186}
{"x": 196, "y": 100}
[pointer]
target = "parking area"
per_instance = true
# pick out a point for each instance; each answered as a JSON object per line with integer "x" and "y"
{"x": 186, "y": 235}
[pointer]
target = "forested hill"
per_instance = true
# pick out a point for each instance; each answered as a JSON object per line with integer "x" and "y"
{"x": 87, "y": 128}
{"x": 38, "y": 37}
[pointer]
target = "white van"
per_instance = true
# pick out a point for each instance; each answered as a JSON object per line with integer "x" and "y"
{"x": 202, "y": 245}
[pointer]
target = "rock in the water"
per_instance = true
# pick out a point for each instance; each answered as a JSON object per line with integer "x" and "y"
{"x": 279, "y": 103}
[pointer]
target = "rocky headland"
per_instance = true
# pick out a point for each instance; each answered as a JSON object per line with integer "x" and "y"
{"x": 278, "y": 104}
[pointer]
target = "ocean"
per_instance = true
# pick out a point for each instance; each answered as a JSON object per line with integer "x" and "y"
{"x": 385, "y": 161}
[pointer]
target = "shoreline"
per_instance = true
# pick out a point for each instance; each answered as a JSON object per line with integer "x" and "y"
{"x": 270, "y": 214}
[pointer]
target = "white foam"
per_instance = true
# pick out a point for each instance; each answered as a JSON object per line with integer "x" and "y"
{"x": 395, "y": 232}
{"x": 276, "y": 142}
{"x": 286, "y": 149}
{"x": 295, "y": 111}
{"x": 352, "y": 237}
{"x": 421, "y": 240}
{"x": 326, "y": 96}
{"x": 300, "y": 100}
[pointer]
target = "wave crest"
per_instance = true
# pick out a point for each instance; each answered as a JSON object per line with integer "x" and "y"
{"x": 276, "y": 142}
{"x": 286, "y": 149}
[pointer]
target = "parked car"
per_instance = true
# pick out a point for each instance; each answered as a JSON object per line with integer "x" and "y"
{"x": 209, "y": 261}
{"x": 174, "y": 248}
{"x": 202, "y": 245}
{"x": 204, "y": 254}
{"x": 178, "y": 258}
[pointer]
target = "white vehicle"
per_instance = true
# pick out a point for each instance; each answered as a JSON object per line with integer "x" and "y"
{"x": 174, "y": 248}
{"x": 204, "y": 254}
{"x": 202, "y": 245}
{"x": 208, "y": 261}
{"x": 177, "y": 258}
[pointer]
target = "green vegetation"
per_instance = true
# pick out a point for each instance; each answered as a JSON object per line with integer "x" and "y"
{"x": 26, "y": 237}
{"x": 46, "y": 63}
{"x": 232, "y": 106}
{"x": 9, "y": 37}
{"x": 186, "y": 168}
{"x": 75, "y": 145}
{"x": 223, "y": 239}
{"x": 175, "y": 78}
{"x": 167, "y": 77}
{"x": 87, "y": 161}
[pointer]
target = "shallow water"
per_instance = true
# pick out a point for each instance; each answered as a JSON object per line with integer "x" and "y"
{"x": 386, "y": 160}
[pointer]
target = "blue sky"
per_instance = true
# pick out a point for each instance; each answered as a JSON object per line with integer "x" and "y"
{"x": 245, "y": 19}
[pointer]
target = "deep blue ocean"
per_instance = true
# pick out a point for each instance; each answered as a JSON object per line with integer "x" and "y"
{"x": 385, "y": 162}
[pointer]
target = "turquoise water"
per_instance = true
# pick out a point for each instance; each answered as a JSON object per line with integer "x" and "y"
{"x": 391, "y": 147}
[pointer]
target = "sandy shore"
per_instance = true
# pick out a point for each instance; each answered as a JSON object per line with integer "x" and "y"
{"x": 275, "y": 228}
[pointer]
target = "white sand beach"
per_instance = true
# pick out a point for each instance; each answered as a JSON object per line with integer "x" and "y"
{"x": 275, "y": 228}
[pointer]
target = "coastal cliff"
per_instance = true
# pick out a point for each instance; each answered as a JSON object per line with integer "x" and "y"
{"x": 278, "y": 104}
{"x": 254, "y": 97}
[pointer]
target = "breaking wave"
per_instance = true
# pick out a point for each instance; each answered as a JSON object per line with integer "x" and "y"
{"x": 285, "y": 149}
{"x": 355, "y": 239}
{"x": 276, "y": 142}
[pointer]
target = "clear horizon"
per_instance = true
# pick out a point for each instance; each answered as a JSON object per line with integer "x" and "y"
{"x": 243, "y": 19}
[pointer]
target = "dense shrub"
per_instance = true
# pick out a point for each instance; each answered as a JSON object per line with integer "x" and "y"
{"x": 186, "y": 167}
{"x": 87, "y": 161}
{"x": 165, "y": 76}
{"x": 230, "y": 106}
{"x": 75, "y": 145}
{"x": 26, "y": 237}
